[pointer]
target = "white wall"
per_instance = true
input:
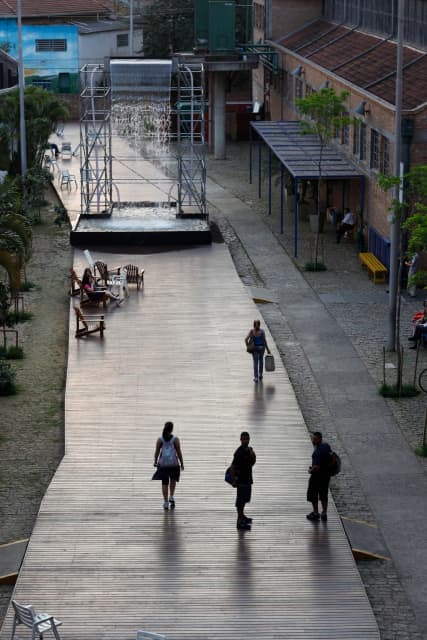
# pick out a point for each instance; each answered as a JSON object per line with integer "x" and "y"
{"x": 94, "y": 47}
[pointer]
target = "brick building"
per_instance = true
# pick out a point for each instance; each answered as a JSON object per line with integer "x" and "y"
{"x": 346, "y": 45}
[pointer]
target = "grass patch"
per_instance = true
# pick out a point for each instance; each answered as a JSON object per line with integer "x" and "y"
{"x": 421, "y": 451}
{"x": 391, "y": 391}
{"x": 315, "y": 266}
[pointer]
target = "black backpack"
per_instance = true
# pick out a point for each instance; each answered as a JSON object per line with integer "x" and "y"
{"x": 334, "y": 464}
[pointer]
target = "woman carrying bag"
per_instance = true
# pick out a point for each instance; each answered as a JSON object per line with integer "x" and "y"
{"x": 256, "y": 344}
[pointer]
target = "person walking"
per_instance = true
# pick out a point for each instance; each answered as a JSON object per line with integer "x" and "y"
{"x": 169, "y": 461}
{"x": 320, "y": 476}
{"x": 241, "y": 477}
{"x": 258, "y": 342}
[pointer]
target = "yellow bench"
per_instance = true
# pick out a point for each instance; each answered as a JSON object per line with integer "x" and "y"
{"x": 374, "y": 266}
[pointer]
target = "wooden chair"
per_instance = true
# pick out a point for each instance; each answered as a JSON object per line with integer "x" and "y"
{"x": 105, "y": 273}
{"x": 88, "y": 324}
{"x": 38, "y": 623}
{"x": 75, "y": 283}
{"x": 134, "y": 275}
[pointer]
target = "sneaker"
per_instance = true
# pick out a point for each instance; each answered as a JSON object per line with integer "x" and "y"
{"x": 166, "y": 506}
{"x": 255, "y": 379}
{"x": 119, "y": 301}
{"x": 313, "y": 516}
{"x": 323, "y": 516}
{"x": 172, "y": 502}
{"x": 260, "y": 377}
{"x": 243, "y": 526}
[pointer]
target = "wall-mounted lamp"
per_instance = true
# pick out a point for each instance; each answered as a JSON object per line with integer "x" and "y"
{"x": 361, "y": 109}
{"x": 297, "y": 72}
{"x": 324, "y": 85}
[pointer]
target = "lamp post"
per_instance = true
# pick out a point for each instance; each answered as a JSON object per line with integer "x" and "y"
{"x": 131, "y": 28}
{"x": 395, "y": 223}
{"x": 21, "y": 84}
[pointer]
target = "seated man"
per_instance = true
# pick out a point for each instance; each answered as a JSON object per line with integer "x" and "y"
{"x": 346, "y": 225}
{"x": 419, "y": 331}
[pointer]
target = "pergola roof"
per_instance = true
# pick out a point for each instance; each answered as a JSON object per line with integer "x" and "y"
{"x": 299, "y": 152}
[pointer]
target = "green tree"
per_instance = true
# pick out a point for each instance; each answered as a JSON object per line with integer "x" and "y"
{"x": 43, "y": 111}
{"x": 324, "y": 113}
{"x": 411, "y": 217}
{"x": 168, "y": 27}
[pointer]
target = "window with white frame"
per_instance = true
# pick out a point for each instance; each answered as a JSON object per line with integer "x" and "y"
{"x": 375, "y": 149}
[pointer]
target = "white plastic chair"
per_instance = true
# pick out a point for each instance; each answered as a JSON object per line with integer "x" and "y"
{"x": 148, "y": 635}
{"x": 38, "y": 623}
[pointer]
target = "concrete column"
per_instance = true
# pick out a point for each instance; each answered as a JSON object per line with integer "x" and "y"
{"x": 219, "y": 115}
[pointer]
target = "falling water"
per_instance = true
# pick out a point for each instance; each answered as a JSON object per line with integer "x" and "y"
{"x": 141, "y": 110}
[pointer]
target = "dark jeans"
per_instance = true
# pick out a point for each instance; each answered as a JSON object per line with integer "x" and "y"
{"x": 342, "y": 230}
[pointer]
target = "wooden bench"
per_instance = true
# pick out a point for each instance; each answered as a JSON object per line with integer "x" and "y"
{"x": 374, "y": 267}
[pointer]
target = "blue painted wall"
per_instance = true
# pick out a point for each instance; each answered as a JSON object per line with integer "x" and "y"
{"x": 45, "y": 65}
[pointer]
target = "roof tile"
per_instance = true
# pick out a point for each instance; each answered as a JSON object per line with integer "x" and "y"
{"x": 365, "y": 60}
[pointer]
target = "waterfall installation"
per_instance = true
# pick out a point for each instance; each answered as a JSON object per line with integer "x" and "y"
{"x": 142, "y": 145}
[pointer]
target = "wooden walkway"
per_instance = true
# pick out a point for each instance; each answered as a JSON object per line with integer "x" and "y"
{"x": 106, "y": 559}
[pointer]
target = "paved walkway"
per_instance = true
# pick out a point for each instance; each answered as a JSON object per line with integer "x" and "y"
{"x": 106, "y": 559}
{"x": 392, "y": 478}
{"x": 329, "y": 329}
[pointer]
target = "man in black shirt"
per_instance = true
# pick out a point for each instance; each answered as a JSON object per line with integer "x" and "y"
{"x": 241, "y": 475}
{"x": 320, "y": 476}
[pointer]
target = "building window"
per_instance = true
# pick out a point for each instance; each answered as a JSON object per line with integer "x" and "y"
{"x": 345, "y": 133}
{"x": 359, "y": 139}
{"x": 374, "y": 163}
{"x": 51, "y": 45}
{"x": 259, "y": 16}
{"x": 298, "y": 88}
{"x": 122, "y": 39}
{"x": 362, "y": 133}
{"x": 385, "y": 155}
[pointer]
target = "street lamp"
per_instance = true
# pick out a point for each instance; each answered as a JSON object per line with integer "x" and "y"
{"x": 22, "y": 133}
{"x": 395, "y": 224}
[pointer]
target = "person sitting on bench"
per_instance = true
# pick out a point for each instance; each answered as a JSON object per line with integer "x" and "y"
{"x": 347, "y": 224}
{"x": 88, "y": 282}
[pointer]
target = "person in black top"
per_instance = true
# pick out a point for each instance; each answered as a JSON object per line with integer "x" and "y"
{"x": 320, "y": 476}
{"x": 241, "y": 476}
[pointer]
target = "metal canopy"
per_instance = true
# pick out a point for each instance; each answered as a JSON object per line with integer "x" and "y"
{"x": 299, "y": 153}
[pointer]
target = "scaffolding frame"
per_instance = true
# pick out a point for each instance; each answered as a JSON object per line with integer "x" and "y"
{"x": 96, "y": 141}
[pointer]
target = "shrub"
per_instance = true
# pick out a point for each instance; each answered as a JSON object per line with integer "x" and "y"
{"x": 315, "y": 266}
{"x": 422, "y": 451}
{"x": 14, "y": 318}
{"x": 26, "y": 286}
{"x": 391, "y": 391}
{"x": 15, "y": 353}
{"x": 3, "y": 352}
{"x": 7, "y": 380}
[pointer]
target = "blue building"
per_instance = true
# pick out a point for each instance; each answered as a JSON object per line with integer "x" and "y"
{"x": 54, "y": 32}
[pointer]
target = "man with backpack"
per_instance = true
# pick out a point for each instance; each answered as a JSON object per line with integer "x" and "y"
{"x": 320, "y": 475}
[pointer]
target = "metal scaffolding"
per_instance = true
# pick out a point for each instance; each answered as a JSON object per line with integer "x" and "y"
{"x": 95, "y": 141}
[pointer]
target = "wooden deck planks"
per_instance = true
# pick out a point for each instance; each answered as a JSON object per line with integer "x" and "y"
{"x": 106, "y": 559}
